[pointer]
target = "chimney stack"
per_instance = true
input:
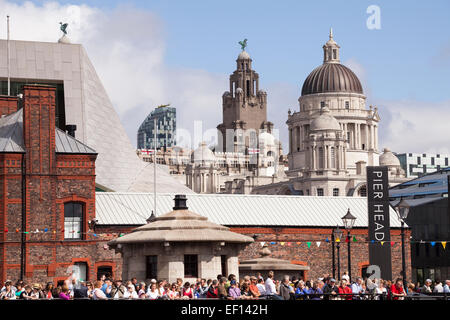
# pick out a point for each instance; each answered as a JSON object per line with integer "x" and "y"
{"x": 180, "y": 202}
{"x": 71, "y": 128}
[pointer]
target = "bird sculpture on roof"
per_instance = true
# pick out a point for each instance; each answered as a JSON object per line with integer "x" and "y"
{"x": 243, "y": 44}
{"x": 63, "y": 27}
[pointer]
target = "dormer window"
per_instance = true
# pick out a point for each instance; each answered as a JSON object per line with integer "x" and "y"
{"x": 334, "y": 54}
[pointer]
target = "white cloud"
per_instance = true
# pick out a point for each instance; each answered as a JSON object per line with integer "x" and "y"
{"x": 412, "y": 126}
{"x": 127, "y": 48}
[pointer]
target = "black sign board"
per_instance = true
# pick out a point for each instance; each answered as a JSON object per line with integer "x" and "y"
{"x": 379, "y": 227}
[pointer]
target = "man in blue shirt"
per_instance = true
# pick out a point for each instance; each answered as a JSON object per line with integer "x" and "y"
{"x": 315, "y": 292}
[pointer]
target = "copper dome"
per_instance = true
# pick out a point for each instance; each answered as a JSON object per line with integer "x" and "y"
{"x": 331, "y": 77}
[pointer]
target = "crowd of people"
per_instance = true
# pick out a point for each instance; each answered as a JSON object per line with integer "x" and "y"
{"x": 249, "y": 287}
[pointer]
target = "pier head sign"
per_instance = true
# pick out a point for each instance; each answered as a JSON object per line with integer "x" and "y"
{"x": 379, "y": 227}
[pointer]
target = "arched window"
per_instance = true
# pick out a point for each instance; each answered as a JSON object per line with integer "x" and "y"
{"x": 363, "y": 191}
{"x": 73, "y": 220}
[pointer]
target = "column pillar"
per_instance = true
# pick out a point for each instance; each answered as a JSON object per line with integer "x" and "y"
{"x": 376, "y": 137}
{"x": 367, "y": 136}
{"x": 313, "y": 149}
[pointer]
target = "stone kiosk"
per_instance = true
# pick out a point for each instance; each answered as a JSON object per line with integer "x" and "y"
{"x": 265, "y": 263}
{"x": 179, "y": 244}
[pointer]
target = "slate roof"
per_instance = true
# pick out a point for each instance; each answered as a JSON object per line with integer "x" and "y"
{"x": 11, "y": 137}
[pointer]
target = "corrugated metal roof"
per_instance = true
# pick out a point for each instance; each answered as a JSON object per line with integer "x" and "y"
{"x": 237, "y": 210}
{"x": 11, "y": 137}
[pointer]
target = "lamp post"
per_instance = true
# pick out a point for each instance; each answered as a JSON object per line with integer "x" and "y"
{"x": 402, "y": 209}
{"x": 338, "y": 235}
{"x": 349, "y": 221}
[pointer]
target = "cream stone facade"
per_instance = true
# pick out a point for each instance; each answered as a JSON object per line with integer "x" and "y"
{"x": 333, "y": 136}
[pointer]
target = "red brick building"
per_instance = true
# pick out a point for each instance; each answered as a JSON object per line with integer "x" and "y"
{"x": 47, "y": 197}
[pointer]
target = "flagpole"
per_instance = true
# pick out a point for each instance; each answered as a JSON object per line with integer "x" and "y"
{"x": 8, "y": 54}
{"x": 154, "y": 166}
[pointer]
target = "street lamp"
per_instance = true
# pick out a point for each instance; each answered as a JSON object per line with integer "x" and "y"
{"x": 338, "y": 235}
{"x": 349, "y": 222}
{"x": 402, "y": 209}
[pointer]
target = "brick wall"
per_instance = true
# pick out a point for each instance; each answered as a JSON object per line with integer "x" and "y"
{"x": 51, "y": 180}
{"x": 319, "y": 258}
{"x": 8, "y": 105}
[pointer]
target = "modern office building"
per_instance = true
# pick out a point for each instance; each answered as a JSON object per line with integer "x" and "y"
{"x": 418, "y": 164}
{"x": 166, "y": 124}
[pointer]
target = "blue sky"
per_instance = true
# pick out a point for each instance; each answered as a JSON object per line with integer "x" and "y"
{"x": 404, "y": 59}
{"x": 404, "y": 65}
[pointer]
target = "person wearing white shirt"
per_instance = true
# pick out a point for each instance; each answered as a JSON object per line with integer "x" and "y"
{"x": 357, "y": 287}
{"x": 130, "y": 293}
{"x": 438, "y": 287}
{"x": 270, "y": 287}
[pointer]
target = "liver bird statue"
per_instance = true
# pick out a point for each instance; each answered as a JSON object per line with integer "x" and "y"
{"x": 243, "y": 44}
{"x": 63, "y": 27}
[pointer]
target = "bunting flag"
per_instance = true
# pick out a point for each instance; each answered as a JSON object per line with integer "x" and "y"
{"x": 433, "y": 243}
{"x": 262, "y": 243}
{"x": 309, "y": 244}
{"x": 6, "y": 230}
{"x": 289, "y": 244}
{"x": 318, "y": 243}
{"x": 282, "y": 243}
{"x": 273, "y": 242}
{"x": 346, "y": 239}
{"x": 392, "y": 243}
{"x": 338, "y": 240}
{"x": 354, "y": 238}
{"x": 382, "y": 242}
{"x": 326, "y": 240}
{"x": 299, "y": 243}
{"x": 444, "y": 243}
{"x": 373, "y": 241}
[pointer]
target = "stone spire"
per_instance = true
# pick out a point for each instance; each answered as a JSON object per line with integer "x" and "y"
{"x": 331, "y": 50}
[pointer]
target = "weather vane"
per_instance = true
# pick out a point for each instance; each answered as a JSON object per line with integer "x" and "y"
{"x": 63, "y": 27}
{"x": 243, "y": 44}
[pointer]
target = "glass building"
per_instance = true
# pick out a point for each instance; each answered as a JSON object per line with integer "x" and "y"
{"x": 166, "y": 121}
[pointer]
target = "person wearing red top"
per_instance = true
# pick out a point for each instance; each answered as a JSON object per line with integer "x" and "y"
{"x": 345, "y": 289}
{"x": 396, "y": 291}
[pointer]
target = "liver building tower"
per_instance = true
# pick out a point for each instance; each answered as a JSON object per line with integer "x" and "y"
{"x": 244, "y": 109}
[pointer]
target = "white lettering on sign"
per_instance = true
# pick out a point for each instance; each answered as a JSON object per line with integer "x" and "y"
{"x": 378, "y": 208}
{"x": 379, "y": 236}
{"x": 378, "y": 217}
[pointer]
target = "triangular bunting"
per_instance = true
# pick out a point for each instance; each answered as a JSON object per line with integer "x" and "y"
{"x": 346, "y": 239}
{"x": 262, "y": 244}
{"x": 309, "y": 244}
{"x": 392, "y": 243}
{"x": 282, "y": 243}
{"x": 433, "y": 243}
{"x": 338, "y": 240}
{"x": 382, "y": 242}
{"x": 299, "y": 243}
{"x": 444, "y": 243}
{"x": 289, "y": 244}
{"x": 273, "y": 242}
{"x": 318, "y": 243}
{"x": 326, "y": 240}
{"x": 354, "y": 238}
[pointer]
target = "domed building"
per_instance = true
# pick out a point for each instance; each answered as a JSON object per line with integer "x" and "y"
{"x": 333, "y": 136}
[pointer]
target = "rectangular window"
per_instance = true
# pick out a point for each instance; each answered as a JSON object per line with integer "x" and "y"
{"x": 73, "y": 220}
{"x": 347, "y": 104}
{"x": 418, "y": 160}
{"x": 151, "y": 271}
{"x": 80, "y": 271}
{"x": 320, "y": 192}
{"x": 191, "y": 265}
{"x": 223, "y": 262}
{"x": 432, "y": 161}
{"x": 335, "y": 192}
{"x": 446, "y": 162}
{"x": 322, "y": 104}
{"x": 334, "y": 54}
